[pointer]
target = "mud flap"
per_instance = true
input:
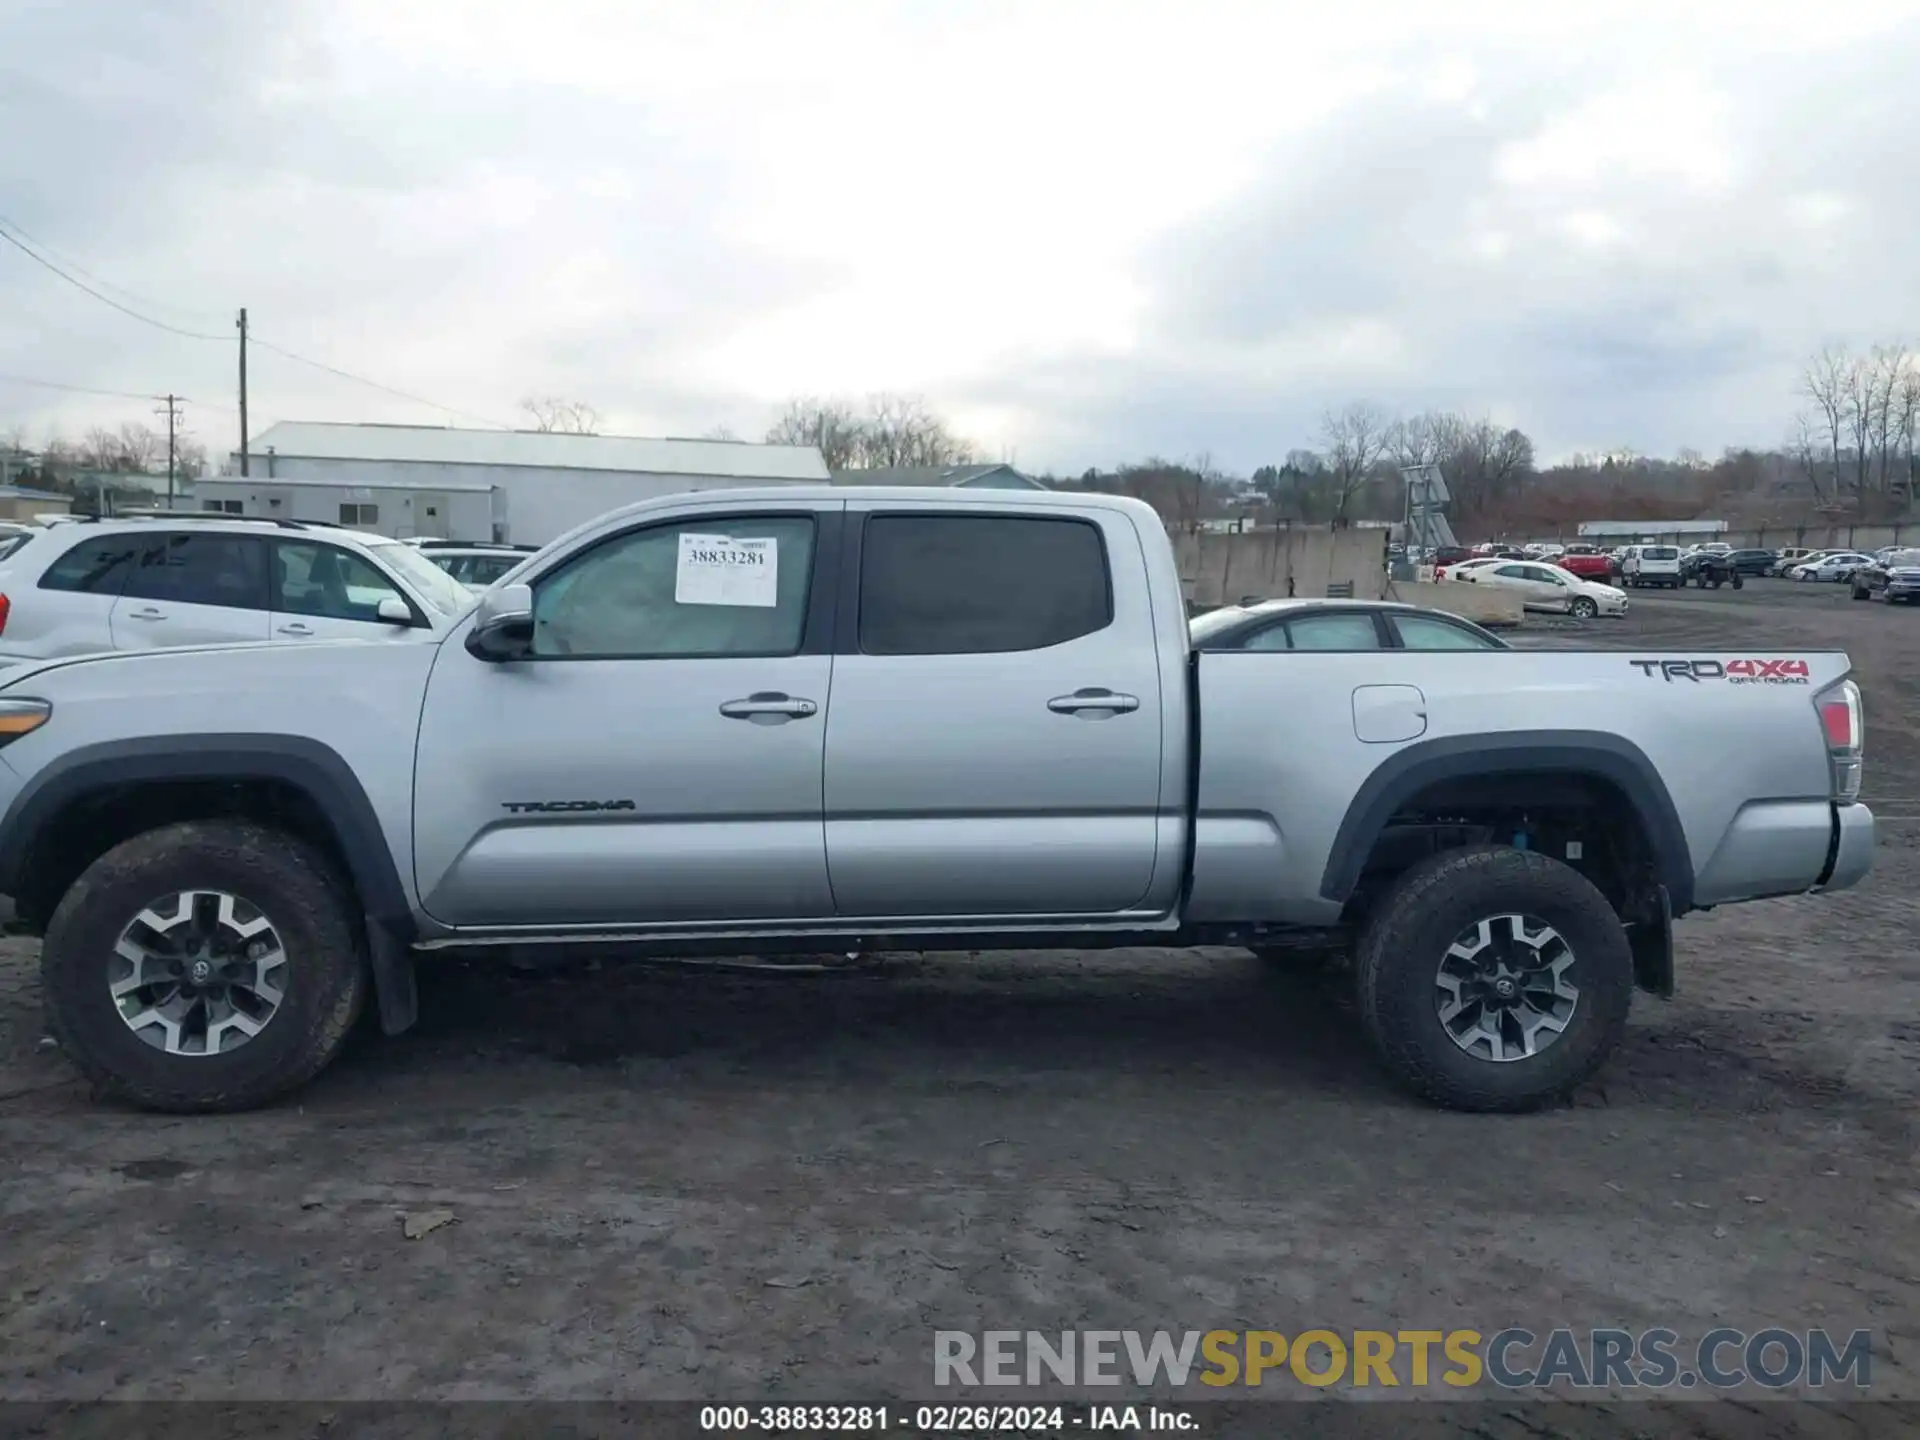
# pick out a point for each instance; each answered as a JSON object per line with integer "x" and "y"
{"x": 393, "y": 983}
{"x": 1651, "y": 941}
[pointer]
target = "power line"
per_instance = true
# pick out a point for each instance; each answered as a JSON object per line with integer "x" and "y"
{"x": 40, "y": 259}
{"x": 109, "y": 394}
{"x": 76, "y": 389}
{"x": 372, "y": 384}
{"x": 133, "y": 296}
{"x": 32, "y": 254}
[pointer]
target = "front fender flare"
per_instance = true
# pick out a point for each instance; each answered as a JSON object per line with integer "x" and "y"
{"x": 315, "y": 769}
{"x": 1457, "y": 757}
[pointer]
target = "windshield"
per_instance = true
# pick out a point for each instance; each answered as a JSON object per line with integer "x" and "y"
{"x": 1202, "y": 627}
{"x": 434, "y": 585}
{"x": 1659, "y": 552}
{"x": 12, "y": 541}
{"x": 1899, "y": 560}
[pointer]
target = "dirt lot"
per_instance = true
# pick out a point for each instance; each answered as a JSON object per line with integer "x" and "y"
{"x": 679, "y": 1183}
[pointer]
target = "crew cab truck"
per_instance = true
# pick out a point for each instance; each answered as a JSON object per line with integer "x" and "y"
{"x": 812, "y": 720}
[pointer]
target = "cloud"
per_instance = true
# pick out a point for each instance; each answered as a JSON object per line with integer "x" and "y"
{"x": 1088, "y": 231}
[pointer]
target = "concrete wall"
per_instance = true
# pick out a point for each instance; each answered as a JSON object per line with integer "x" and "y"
{"x": 1218, "y": 569}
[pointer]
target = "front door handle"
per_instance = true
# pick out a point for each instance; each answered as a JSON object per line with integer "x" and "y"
{"x": 294, "y": 629}
{"x": 147, "y": 614}
{"x": 768, "y": 707}
{"x": 1093, "y": 702}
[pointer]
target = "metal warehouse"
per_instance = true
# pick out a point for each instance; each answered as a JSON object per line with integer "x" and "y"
{"x": 518, "y": 485}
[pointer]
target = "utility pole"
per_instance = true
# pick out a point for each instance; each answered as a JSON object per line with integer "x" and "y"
{"x": 173, "y": 419}
{"x": 243, "y": 390}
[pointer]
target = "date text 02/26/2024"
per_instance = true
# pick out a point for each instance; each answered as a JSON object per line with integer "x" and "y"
{"x": 945, "y": 1419}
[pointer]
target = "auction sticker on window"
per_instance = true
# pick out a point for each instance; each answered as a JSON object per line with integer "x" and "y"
{"x": 726, "y": 570}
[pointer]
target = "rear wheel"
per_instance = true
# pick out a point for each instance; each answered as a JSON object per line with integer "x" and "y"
{"x": 1493, "y": 979}
{"x": 203, "y": 967}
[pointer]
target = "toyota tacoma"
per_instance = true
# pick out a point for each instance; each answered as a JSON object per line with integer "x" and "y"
{"x": 803, "y": 720}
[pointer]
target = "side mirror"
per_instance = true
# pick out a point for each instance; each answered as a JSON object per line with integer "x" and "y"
{"x": 502, "y": 625}
{"x": 395, "y": 611}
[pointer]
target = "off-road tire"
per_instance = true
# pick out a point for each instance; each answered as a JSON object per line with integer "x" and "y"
{"x": 290, "y": 881}
{"x": 1860, "y": 594}
{"x": 1405, "y": 937}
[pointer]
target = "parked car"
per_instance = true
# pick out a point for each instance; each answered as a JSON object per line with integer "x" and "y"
{"x": 1894, "y": 577}
{"x": 1784, "y": 560}
{"x": 1589, "y": 562}
{"x": 1311, "y": 624}
{"x": 1710, "y": 569}
{"x": 153, "y": 582}
{"x": 477, "y": 565}
{"x": 225, "y": 872}
{"x": 1652, "y": 565}
{"x": 1837, "y": 567}
{"x": 1547, "y": 587}
{"x": 1465, "y": 568}
{"x": 1751, "y": 561}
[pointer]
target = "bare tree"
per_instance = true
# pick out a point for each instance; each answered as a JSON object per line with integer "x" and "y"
{"x": 830, "y": 426}
{"x": 1825, "y": 383}
{"x": 100, "y": 449}
{"x": 1907, "y": 404}
{"x": 554, "y": 415}
{"x": 141, "y": 448}
{"x": 1176, "y": 492}
{"x": 1804, "y": 448}
{"x": 1886, "y": 368}
{"x": 1419, "y": 439}
{"x": 1355, "y": 440}
{"x": 721, "y": 432}
{"x": 900, "y": 430}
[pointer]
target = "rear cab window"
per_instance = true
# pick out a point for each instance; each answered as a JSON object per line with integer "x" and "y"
{"x": 957, "y": 584}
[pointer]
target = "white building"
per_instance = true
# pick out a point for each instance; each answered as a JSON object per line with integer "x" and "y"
{"x": 518, "y": 485}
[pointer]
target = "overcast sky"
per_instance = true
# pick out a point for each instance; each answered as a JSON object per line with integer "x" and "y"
{"x": 1084, "y": 231}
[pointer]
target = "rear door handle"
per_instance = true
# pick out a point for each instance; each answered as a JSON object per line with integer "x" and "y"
{"x": 1093, "y": 702}
{"x": 768, "y": 707}
{"x": 294, "y": 629}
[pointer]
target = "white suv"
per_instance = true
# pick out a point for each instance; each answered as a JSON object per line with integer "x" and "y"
{"x": 153, "y": 581}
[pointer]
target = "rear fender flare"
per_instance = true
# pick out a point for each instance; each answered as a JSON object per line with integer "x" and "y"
{"x": 1578, "y": 752}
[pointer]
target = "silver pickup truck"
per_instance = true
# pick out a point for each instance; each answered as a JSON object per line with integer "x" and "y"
{"x": 810, "y": 720}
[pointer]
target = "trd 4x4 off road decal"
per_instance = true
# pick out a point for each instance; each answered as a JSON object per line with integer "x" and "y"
{"x": 1734, "y": 672}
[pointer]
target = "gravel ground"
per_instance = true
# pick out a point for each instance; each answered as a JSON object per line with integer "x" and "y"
{"x": 698, "y": 1184}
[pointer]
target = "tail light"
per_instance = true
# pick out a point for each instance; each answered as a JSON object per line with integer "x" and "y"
{"x": 6, "y": 608}
{"x": 1842, "y": 723}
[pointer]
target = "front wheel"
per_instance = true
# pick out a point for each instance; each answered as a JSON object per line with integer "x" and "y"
{"x": 1860, "y": 594}
{"x": 1493, "y": 979}
{"x": 207, "y": 966}
{"x": 1583, "y": 608}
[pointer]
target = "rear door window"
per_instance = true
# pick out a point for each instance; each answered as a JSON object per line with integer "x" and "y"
{"x": 980, "y": 584}
{"x": 201, "y": 568}
{"x": 1425, "y": 632}
{"x": 1349, "y": 631}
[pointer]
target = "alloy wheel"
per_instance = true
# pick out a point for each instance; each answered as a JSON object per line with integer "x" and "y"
{"x": 199, "y": 972}
{"x": 1502, "y": 992}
